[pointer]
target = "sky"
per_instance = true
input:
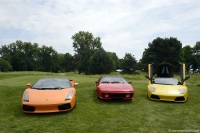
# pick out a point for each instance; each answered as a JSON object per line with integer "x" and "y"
{"x": 124, "y": 26}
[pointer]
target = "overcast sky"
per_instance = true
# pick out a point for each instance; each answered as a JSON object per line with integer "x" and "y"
{"x": 124, "y": 26}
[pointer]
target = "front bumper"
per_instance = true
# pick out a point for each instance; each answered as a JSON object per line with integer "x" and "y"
{"x": 109, "y": 96}
{"x": 172, "y": 98}
{"x": 28, "y": 107}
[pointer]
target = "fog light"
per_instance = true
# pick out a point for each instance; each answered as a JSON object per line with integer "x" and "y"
{"x": 128, "y": 95}
{"x": 106, "y": 95}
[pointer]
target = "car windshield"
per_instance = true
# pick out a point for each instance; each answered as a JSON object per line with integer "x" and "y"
{"x": 52, "y": 83}
{"x": 166, "y": 81}
{"x": 111, "y": 79}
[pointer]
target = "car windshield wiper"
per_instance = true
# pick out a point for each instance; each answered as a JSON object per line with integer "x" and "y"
{"x": 57, "y": 88}
{"x": 163, "y": 84}
{"x": 115, "y": 82}
{"x": 105, "y": 82}
{"x": 39, "y": 88}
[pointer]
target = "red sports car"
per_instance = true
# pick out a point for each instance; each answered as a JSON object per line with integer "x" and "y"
{"x": 109, "y": 87}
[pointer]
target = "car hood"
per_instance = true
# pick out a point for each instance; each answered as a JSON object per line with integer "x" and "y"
{"x": 167, "y": 89}
{"x": 41, "y": 96}
{"x": 115, "y": 87}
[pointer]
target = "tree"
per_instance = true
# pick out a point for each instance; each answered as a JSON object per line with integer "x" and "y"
{"x": 21, "y": 55}
{"x": 187, "y": 57}
{"x": 167, "y": 49}
{"x": 25, "y": 56}
{"x": 84, "y": 46}
{"x": 31, "y": 54}
{"x": 5, "y": 53}
{"x": 100, "y": 63}
{"x": 55, "y": 63}
{"x": 45, "y": 58}
{"x": 115, "y": 60}
{"x": 14, "y": 54}
{"x": 129, "y": 64}
{"x": 5, "y": 65}
{"x": 196, "y": 54}
{"x": 67, "y": 62}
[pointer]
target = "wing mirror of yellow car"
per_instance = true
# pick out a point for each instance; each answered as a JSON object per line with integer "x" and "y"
{"x": 147, "y": 77}
{"x": 151, "y": 80}
{"x": 29, "y": 85}
{"x": 186, "y": 78}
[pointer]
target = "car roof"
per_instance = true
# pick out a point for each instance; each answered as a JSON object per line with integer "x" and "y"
{"x": 112, "y": 77}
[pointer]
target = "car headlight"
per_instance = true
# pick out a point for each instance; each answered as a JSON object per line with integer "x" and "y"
{"x": 152, "y": 89}
{"x": 106, "y": 95}
{"x": 25, "y": 98}
{"x": 128, "y": 95}
{"x": 181, "y": 91}
{"x": 69, "y": 95}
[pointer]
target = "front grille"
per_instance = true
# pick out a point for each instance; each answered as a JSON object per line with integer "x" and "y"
{"x": 64, "y": 106}
{"x": 28, "y": 108}
{"x": 179, "y": 99}
{"x": 155, "y": 97}
{"x": 118, "y": 95}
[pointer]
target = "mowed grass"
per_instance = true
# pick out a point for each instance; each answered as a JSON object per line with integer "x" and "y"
{"x": 94, "y": 115}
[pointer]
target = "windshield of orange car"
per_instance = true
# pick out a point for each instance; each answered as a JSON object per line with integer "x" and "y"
{"x": 166, "y": 81}
{"x": 113, "y": 80}
{"x": 52, "y": 83}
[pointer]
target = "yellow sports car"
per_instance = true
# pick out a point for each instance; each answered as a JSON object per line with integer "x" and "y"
{"x": 165, "y": 87}
{"x": 49, "y": 95}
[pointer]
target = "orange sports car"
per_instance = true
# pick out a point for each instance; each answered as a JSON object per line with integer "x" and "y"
{"x": 49, "y": 95}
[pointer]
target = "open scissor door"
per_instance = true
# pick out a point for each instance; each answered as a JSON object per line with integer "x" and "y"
{"x": 182, "y": 74}
{"x": 150, "y": 73}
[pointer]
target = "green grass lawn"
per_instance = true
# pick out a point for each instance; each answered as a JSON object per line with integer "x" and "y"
{"x": 94, "y": 115}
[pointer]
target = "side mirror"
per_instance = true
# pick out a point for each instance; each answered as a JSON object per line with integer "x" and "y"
{"x": 130, "y": 82}
{"x": 75, "y": 84}
{"x": 186, "y": 78}
{"x": 147, "y": 77}
{"x": 29, "y": 85}
{"x": 151, "y": 80}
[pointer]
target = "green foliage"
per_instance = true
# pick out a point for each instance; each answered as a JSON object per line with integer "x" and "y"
{"x": 115, "y": 60}
{"x": 100, "y": 63}
{"x": 24, "y": 56}
{"x": 20, "y": 55}
{"x": 84, "y": 46}
{"x": 187, "y": 56}
{"x": 129, "y": 64}
{"x": 196, "y": 54}
{"x": 94, "y": 115}
{"x": 48, "y": 59}
{"x": 67, "y": 62}
{"x": 5, "y": 65}
{"x": 167, "y": 49}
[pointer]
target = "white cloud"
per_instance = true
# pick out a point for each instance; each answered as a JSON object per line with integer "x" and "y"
{"x": 124, "y": 26}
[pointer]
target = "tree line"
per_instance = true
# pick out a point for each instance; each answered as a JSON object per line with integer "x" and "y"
{"x": 91, "y": 58}
{"x": 171, "y": 50}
